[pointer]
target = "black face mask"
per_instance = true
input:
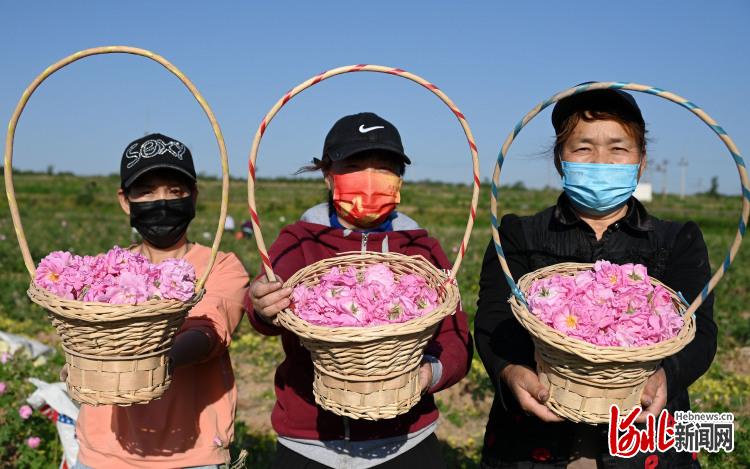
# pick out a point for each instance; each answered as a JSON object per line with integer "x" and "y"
{"x": 162, "y": 222}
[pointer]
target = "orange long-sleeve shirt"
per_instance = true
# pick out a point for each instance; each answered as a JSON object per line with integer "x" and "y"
{"x": 193, "y": 423}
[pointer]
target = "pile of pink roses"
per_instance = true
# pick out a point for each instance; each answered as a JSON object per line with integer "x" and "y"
{"x": 611, "y": 305}
{"x": 364, "y": 297}
{"x": 119, "y": 277}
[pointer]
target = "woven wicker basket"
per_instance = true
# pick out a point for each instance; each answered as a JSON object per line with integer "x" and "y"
{"x": 370, "y": 372}
{"x": 114, "y": 354}
{"x": 584, "y": 380}
{"x": 373, "y": 372}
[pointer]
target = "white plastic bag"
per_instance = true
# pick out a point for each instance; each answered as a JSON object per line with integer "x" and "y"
{"x": 52, "y": 400}
{"x": 12, "y": 344}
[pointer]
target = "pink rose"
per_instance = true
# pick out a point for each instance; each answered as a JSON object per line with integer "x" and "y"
{"x": 131, "y": 288}
{"x": 608, "y": 274}
{"x": 565, "y": 320}
{"x": 599, "y": 294}
{"x": 584, "y": 279}
{"x": 175, "y": 279}
{"x": 301, "y": 294}
{"x": 33, "y": 442}
{"x": 380, "y": 274}
{"x": 609, "y": 305}
{"x": 53, "y": 275}
{"x": 25, "y": 412}
{"x": 634, "y": 274}
{"x": 118, "y": 276}
{"x": 364, "y": 297}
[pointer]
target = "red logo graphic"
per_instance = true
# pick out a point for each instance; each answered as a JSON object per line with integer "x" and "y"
{"x": 626, "y": 439}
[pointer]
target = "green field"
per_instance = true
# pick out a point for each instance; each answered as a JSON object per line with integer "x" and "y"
{"x": 81, "y": 214}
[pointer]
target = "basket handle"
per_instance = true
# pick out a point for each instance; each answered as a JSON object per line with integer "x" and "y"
{"x": 9, "y": 190}
{"x": 702, "y": 115}
{"x": 339, "y": 71}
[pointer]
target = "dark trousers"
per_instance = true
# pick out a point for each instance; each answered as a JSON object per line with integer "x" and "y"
{"x": 426, "y": 455}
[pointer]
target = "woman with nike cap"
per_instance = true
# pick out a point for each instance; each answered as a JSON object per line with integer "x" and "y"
{"x": 363, "y": 158}
{"x": 600, "y": 152}
{"x": 192, "y": 424}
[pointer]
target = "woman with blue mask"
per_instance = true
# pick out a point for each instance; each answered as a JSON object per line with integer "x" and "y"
{"x": 600, "y": 153}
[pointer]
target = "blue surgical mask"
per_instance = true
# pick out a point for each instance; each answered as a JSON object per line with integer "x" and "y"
{"x": 599, "y": 188}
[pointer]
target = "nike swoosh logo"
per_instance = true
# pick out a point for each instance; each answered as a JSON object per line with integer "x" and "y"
{"x": 364, "y": 130}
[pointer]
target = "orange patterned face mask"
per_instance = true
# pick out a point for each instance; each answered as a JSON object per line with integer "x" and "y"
{"x": 366, "y": 198}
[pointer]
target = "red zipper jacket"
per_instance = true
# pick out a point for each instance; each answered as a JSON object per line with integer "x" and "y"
{"x": 295, "y": 414}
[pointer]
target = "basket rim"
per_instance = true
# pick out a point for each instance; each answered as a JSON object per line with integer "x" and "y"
{"x": 266, "y": 261}
{"x": 597, "y": 348}
{"x": 88, "y": 305}
{"x": 343, "y": 334}
{"x": 10, "y": 136}
{"x": 630, "y": 86}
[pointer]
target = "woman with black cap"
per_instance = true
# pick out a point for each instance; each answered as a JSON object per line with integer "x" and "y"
{"x": 363, "y": 163}
{"x": 192, "y": 424}
{"x": 600, "y": 152}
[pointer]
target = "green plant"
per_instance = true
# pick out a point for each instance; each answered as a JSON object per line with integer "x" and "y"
{"x": 87, "y": 194}
{"x": 16, "y": 430}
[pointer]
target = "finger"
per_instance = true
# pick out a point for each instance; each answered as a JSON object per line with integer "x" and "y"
{"x": 422, "y": 379}
{"x": 647, "y": 400}
{"x": 657, "y": 404}
{"x": 263, "y": 280}
{"x": 262, "y": 289}
{"x": 277, "y": 278}
{"x": 257, "y": 285}
{"x": 274, "y": 297}
{"x": 274, "y": 309}
{"x": 660, "y": 402}
{"x": 260, "y": 280}
{"x": 271, "y": 293}
{"x": 425, "y": 376}
{"x": 534, "y": 387}
{"x": 648, "y": 393}
{"x": 532, "y": 406}
{"x": 270, "y": 299}
{"x": 643, "y": 416}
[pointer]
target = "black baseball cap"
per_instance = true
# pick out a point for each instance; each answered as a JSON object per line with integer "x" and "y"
{"x": 609, "y": 100}
{"x": 151, "y": 152}
{"x": 362, "y": 132}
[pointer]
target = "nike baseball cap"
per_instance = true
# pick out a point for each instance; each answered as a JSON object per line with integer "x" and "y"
{"x": 606, "y": 100}
{"x": 362, "y": 132}
{"x": 151, "y": 152}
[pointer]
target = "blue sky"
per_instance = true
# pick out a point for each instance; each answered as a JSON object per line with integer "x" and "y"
{"x": 495, "y": 59}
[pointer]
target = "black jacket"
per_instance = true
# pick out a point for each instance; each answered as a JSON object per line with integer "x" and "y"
{"x": 674, "y": 253}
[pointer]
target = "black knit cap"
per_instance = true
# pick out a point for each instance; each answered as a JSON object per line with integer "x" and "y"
{"x": 155, "y": 151}
{"x": 617, "y": 102}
